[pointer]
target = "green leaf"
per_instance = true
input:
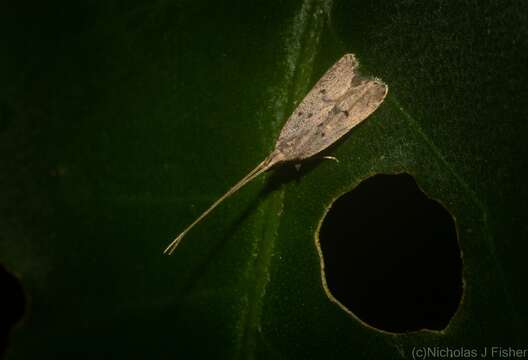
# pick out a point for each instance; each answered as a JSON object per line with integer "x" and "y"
{"x": 121, "y": 121}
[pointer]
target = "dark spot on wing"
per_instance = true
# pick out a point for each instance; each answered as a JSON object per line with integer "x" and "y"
{"x": 322, "y": 134}
{"x": 323, "y": 91}
{"x": 300, "y": 113}
{"x": 346, "y": 113}
{"x": 356, "y": 81}
{"x": 310, "y": 115}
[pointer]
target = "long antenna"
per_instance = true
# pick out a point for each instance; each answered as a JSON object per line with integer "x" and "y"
{"x": 262, "y": 167}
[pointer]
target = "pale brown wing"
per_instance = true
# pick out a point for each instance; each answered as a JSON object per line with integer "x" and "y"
{"x": 340, "y": 100}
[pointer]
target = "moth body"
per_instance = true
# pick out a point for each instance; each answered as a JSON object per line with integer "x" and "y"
{"x": 340, "y": 100}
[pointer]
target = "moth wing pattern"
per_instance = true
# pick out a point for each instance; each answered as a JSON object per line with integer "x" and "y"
{"x": 340, "y": 100}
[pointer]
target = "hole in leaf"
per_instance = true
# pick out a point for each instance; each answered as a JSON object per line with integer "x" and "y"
{"x": 12, "y": 304}
{"x": 391, "y": 255}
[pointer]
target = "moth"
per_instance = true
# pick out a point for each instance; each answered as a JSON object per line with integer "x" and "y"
{"x": 340, "y": 100}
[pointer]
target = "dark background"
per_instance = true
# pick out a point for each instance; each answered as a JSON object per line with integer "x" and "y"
{"x": 120, "y": 121}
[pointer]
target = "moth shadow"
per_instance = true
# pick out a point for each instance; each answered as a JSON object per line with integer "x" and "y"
{"x": 278, "y": 178}
{"x": 283, "y": 175}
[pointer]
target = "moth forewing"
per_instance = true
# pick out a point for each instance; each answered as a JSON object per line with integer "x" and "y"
{"x": 332, "y": 85}
{"x": 336, "y": 81}
{"x": 340, "y": 100}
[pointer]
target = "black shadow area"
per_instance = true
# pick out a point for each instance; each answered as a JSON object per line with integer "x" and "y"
{"x": 391, "y": 255}
{"x": 12, "y": 305}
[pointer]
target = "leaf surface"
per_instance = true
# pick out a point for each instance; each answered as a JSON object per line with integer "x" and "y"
{"x": 120, "y": 122}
